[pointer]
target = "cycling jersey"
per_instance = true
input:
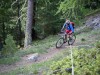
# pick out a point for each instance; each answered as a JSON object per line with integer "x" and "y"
{"x": 68, "y": 27}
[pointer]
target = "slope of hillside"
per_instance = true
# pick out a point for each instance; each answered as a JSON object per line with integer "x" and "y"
{"x": 93, "y": 21}
{"x": 49, "y": 54}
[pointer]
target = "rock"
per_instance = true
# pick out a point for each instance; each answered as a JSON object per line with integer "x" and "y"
{"x": 68, "y": 70}
{"x": 93, "y": 21}
{"x": 33, "y": 57}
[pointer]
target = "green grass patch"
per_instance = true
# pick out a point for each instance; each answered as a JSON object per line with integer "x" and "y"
{"x": 40, "y": 46}
{"x": 9, "y": 60}
{"x": 83, "y": 30}
{"x": 92, "y": 12}
{"x": 88, "y": 38}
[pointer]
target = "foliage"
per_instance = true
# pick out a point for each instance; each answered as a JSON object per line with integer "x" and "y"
{"x": 85, "y": 62}
{"x": 9, "y": 60}
{"x": 91, "y": 12}
{"x": 75, "y": 10}
{"x": 97, "y": 44}
{"x": 10, "y": 47}
{"x": 46, "y": 21}
{"x": 83, "y": 40}
{"x": 71, "y": 9}
{"x": 9, "y": 18}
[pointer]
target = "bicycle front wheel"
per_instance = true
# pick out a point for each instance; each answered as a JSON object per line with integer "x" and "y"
{"x": 71, "y": 39}
{"x": 59, "y": 43}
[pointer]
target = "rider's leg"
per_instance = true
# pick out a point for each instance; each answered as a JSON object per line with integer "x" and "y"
{"x": 65, "y": 39}
{"x": 69, "y": 34}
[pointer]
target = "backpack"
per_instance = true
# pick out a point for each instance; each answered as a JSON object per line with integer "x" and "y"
{"x": 73, "y": 24}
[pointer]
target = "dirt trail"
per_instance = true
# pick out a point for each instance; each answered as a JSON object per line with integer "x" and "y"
{"x": 24, "y": 62}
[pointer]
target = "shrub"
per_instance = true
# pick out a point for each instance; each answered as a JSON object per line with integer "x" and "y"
{"x": 86, "y": 62}
{"x": 97, "y": 44}
{"x": 83, "y": 40}
{"x": 9, "y": 48}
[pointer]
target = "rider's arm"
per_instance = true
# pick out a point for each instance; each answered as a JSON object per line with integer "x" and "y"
{"x": 72, "y": 29}
{"x": 63, "y": 27}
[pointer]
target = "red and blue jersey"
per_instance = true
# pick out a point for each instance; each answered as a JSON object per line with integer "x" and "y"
{"x": 68, "y": 27}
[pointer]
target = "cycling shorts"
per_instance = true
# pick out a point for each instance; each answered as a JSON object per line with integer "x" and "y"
{"x": 68, "y": 31}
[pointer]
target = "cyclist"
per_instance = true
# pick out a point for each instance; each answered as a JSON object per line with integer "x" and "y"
{"x": 67, "y": 28}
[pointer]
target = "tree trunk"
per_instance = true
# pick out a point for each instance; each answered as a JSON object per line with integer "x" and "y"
{"x": 28, "y": 30}
{"x": 34, "y": 9}
{"x": 19, "y": 25}
{"x": 33, "y": 31}
{"x": 3, "y": 34}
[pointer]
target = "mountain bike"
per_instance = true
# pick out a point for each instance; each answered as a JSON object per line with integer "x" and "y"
{"x": 62, "y": 40}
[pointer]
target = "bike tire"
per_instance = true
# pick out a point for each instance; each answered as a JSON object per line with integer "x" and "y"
{"x": 59, "y": 43}
{"x": 72, "y": 39}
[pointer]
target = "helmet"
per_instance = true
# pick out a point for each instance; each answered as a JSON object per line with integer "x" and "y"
{"x": 67, "y": 21}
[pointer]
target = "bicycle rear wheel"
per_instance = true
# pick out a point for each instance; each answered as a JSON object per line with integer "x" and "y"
{"x": 71, "y": 39}
{"x": 59, "y": 43}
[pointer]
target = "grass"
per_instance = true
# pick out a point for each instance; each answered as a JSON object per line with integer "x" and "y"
{"x": 9, "y": 60}
{"x": 92, "y": 12}
{"x": 39, "y": 46}
{"x": 84, "y": 29}
{"x": 89, "y": 37}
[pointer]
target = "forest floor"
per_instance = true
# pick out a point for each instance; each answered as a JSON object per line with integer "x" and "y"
{"x": 51, "y": 52}
{"x": 42, "y": 58}
{"x": 24, "y": 62}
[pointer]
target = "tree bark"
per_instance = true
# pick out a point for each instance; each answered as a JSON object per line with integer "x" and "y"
{"x": 34, "y": 9}
{"x": 3, "y": 34}
{"x": 28, "y": 30}
{"x": 33, "y": 31}
{"x": 19, "y": 25}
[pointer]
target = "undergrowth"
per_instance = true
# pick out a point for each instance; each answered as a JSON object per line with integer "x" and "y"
{"x": 86, "y": 62}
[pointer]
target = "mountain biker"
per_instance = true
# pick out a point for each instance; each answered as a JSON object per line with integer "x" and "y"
{"x": 67, "y": 28}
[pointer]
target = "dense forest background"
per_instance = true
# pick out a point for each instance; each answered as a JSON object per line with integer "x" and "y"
{"x": 48, "y": 17}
